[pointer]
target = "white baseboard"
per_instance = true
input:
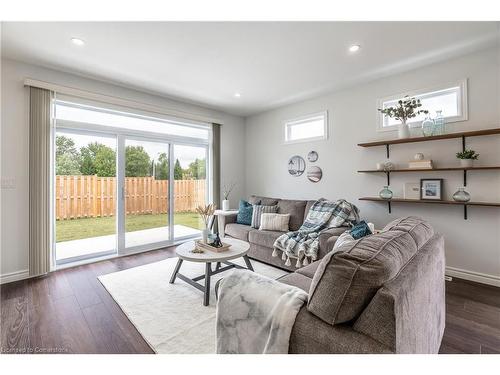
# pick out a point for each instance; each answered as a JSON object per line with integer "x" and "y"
{"x": 473, "y": 276}
{"x": 14, "y": 276}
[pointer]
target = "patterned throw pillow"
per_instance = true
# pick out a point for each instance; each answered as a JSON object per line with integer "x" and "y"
{"x": 244, "y": 213}
{"x": 258, "y": 210}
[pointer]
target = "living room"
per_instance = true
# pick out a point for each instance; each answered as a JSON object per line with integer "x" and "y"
{"x": 251, "y": 187}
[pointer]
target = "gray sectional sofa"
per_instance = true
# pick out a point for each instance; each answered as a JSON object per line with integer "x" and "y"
{"x": 383, "y": 293}
{"x": 261, "y": 241}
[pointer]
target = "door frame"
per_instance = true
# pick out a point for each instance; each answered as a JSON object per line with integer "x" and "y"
{"x": 121, "y": 135}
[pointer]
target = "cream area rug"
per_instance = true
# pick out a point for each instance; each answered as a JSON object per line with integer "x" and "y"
{"x": 171, "y": 317}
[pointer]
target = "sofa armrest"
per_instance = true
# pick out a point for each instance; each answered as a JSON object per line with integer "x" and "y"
{"x": 223, "y": 220}
{"x": 327, "y": 239}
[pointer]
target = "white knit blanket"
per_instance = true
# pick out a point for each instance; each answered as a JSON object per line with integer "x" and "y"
{"x": 255, "y": 314}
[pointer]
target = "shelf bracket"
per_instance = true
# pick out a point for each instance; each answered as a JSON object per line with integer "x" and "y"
{"x": 388, "y": 178}
{"x": 387, "y": 150}
{"x": 463, "y": 142}
{"x": 465, "y": 177}
{"x": 389, "y": 206}
{"x": 465, "y": 212}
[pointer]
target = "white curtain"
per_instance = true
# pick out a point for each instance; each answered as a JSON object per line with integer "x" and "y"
{"x": 39, "y": 180}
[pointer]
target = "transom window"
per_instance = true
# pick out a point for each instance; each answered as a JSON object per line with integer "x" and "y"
{"x": 450, "y": 99}
{"x": 307, "y": 128}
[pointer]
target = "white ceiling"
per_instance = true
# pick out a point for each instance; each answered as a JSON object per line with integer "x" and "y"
{"x": 269, "y": 63}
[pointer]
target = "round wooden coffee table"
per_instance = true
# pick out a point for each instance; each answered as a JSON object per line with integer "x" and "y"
{"x": 238, "y": 249}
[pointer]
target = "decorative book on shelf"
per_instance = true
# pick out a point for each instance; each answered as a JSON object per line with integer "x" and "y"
{"x": 420, "y": 164}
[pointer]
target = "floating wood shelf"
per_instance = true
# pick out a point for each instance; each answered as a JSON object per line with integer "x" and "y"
{"x": 422, "y": 201}
{"x": 404, "y": 170}
{"x": 475, "y": 133}
{"x": 428, "y": 169}
{"x": 462, "y": 135}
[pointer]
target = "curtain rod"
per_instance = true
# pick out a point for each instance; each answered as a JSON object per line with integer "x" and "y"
{"x": 118, "y": 101}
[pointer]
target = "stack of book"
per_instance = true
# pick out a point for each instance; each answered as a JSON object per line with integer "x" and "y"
{"x": 420, "y": 164}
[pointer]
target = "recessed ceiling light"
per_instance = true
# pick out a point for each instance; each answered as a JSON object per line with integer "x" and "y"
{"x": 354, "y": 48}
{"x": 77, "y": 41}
{"x": 237, "y": 95}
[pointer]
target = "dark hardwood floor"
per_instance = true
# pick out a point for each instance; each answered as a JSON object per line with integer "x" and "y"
{"x": 69, "y": 311}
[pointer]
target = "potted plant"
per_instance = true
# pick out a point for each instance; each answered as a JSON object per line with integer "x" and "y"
{"x": 406, "y": 108}
{"x": 467, "y": 158}
{"x": 206, "y": 212}
{"x": 226, "y": 191}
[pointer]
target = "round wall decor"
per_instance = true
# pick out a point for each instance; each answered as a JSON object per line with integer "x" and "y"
{"x": 296, "y": 165}
{"x": 314, "y": 174}
{"x": 312, "y": 156}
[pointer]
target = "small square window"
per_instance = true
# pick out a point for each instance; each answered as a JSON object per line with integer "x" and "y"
{"x": 451, "y": 100}
{"x": 307, "y": 128}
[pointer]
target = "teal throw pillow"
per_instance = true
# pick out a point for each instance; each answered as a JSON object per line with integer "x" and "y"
{"x": 245, "y": 211}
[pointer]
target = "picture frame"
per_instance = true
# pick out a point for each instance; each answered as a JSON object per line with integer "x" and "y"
{"x": 431, "y": 189}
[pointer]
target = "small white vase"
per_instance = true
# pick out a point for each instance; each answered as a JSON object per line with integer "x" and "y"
{"x": 403, "y": 131}
{"x": 225, "y": 205}
{"x": 466, "y": 163}
{"x": 204, "y": 235}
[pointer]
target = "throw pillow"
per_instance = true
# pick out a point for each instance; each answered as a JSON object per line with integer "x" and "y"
{"x": 343, "y": 239}
{"x": 258, "y": 210}
{"x": 244, "y": 213}
{"x": 361, "y": 229}
{"x": 277, "y": 222}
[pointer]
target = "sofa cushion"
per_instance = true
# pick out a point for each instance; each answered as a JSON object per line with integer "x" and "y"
{"x": 238, "y": 231}
{"x": 419, "y": 229}
{"x": 264, "y": 238}
{"x": 346, "y": 281}
{"x": 258, "y": 210}
{"x": 298, "y": 280}
{"x": 309, "y": 270}
{"x": 308, "y": 207}
{"x": 245, "y": 211}
{"x": 265, "y": 201}
{"x": 328, "y": 237}
{"x": 295, "y": 209}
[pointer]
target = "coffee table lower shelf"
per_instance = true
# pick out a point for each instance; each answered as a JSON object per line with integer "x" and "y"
{"x": 205, "y": 288}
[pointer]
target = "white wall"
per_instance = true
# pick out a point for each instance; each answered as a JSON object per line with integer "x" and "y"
{"x": 14, "y": 149}
{"x": 472, "y": 245}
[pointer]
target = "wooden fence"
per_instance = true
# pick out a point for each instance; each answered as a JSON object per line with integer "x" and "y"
{"x": 92, "y": 196}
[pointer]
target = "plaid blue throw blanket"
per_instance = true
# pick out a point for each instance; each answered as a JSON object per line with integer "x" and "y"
{"x": 304, "y": 243}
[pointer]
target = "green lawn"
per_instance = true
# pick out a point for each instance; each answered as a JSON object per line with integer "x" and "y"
{"x": 76, "y": 229}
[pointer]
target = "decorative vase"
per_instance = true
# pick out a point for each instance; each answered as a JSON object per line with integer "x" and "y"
{"x": 438, "y": 123}
{"x": 466, "y": 163}
{"x": 385, "y": 193}
{"x": 427, "y": 127}
{"x": 403, "y": 130}
{"x": 225, "y": 205}
{"x": 461, "y": 195}
{"x": 204, "y": 235}
{"x": 419, "y": 156}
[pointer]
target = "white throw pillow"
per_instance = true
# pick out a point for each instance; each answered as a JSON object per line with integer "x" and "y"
{"x": 343, "y": 239}
{"x": 278, "y": 222}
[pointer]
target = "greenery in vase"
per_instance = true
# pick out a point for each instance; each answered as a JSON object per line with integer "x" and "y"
{"x": 405, "y": 109}
{"x": 467, "y": 154}
{"x": 227, "y": 189}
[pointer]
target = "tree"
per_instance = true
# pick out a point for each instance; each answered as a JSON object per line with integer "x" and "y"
{"x": 197, "y": 169}
{"x": 98, "y": 159}
{"x": 67, "y": 156}
{"x": 178, "y": 172}
{"x": 137, "y": 162}
{"x": 162, "y": 167}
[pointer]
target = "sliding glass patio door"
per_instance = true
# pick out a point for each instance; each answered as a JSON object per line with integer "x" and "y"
{"x": 125, "y": 182}
{"x": 85, "y": 196}
{"x": 145, "y": 193}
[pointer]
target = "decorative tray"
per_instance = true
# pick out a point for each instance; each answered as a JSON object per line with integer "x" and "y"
{"x": 204, "y": 246}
